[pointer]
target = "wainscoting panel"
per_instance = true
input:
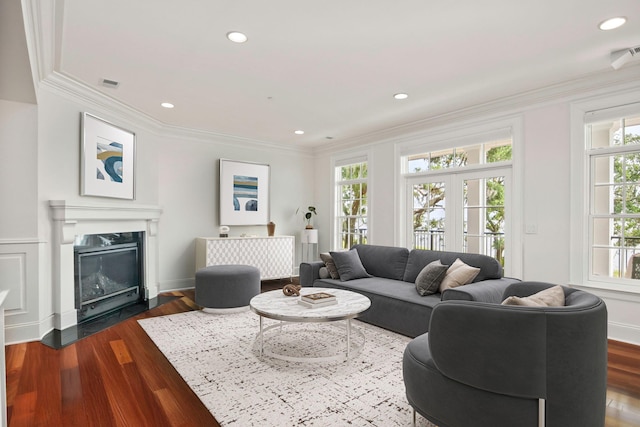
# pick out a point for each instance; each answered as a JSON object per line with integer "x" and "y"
{"x": 13, "y": 279}
{"x": 19, "y": 266}
{"x": 13, "y": 275}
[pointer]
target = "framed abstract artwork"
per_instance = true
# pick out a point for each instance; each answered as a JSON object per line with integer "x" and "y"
{"x": 244, "y": 193}
{"x": 107, "y": 166}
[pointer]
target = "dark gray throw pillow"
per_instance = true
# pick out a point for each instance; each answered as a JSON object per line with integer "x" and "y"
{"x": 349, "y": 265}
{"x": 429, "y": 279}
{"x": 331, "y": 266}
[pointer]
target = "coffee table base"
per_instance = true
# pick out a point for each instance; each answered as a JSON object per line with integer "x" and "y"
{"x": 352, "y": 346}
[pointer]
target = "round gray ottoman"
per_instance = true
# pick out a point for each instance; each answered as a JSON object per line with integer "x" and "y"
{"x": 223, "y": 288}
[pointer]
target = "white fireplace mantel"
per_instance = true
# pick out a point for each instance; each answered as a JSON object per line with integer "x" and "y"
{"x": 76, "y": 219}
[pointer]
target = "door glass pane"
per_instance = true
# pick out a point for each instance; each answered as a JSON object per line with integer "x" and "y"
{"x": 484, "y": 216}
{"x": 429, "y": 215}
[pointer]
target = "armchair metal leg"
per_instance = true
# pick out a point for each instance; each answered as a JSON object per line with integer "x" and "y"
{"x": 541, "y": 413}
{"x": 413, "y": 418}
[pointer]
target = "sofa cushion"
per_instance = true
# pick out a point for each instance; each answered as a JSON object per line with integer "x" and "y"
{"x": 458, "y": 274}
{"x": 349, "y": 265}
{"x": 551, "y": 297}
{"x": 395, "y": 305}
{"x": 490, "y": 268}
{"x": 388, "y": 288}
{"x": 429, "y": 279}
{"x": 331, "y": 266}
{"x": 384, "y": 261}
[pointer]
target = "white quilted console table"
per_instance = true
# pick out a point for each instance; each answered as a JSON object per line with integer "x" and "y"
{"x": 273, "y": 256}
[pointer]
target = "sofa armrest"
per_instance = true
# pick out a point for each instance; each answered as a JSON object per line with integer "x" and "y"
{"x": 491, "y": 290}
{"x": 501, "y": 349}
{"x": 310, "y": 272}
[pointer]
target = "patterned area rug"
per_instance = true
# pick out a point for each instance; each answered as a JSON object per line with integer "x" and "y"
{"x": 218, "y": 357}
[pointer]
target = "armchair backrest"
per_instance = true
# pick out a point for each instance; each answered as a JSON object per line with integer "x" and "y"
{"x": 554, "y": 353}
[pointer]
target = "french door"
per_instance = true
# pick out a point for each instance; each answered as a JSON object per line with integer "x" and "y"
{"x": 461, "y": 212}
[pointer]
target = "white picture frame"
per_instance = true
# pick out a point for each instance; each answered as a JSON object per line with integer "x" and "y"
{"x": 244, "y": 193}
{"x": 107, "y": 167}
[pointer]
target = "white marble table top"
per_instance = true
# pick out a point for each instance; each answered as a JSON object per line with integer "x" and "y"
{"x": 276, "y": 305}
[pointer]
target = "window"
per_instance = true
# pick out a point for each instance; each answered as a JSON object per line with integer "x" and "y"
{"x": 458, "y": 196}
{"x": 351, "y": 204}
{"x": 613, "y": 152}
{"x": 488, "y": 152}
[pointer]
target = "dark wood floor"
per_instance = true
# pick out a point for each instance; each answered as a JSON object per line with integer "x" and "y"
{"x": 119, "y": 378}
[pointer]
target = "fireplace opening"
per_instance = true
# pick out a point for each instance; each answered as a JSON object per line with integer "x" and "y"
{"x": 109, "y": 273}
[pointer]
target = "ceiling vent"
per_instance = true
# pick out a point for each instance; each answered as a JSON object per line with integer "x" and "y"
{"x": 621, "y": 57}
{"x": 110, "y": 83}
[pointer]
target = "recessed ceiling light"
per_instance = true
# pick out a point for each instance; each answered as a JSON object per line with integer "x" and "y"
{"x": 236, "y": 37}
{"x": 400, "y": 96}
{"x": 299, "y": 132}
{"x": 612, "y": 23}
{"x": 167, "y": 105}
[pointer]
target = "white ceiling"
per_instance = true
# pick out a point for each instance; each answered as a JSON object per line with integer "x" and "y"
{"x": 331, "y": 67}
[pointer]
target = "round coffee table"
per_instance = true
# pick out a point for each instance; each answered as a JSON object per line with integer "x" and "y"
{"x": 275, "y": 305}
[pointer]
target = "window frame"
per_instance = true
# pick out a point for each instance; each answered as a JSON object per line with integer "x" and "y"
{"x": 582, "y": 114}
{"x": 336, "y": 214}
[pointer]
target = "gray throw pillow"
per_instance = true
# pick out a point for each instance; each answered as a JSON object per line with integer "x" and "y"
{"x": 349, "y": 265}
{"x": 331, "y": 266}
{"x": 324, "y": 273}
{"x": 429, "y": 279}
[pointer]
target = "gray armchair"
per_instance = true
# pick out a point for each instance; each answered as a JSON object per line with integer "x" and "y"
{"x": 493, "y": 365}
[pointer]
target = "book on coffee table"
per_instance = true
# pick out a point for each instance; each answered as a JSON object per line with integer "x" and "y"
{"x": 317, "y": 304}
{"x": 318, "y": 298}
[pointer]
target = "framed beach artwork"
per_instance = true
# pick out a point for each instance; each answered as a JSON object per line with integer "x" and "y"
{"x": 244, "y": 193}
{"x": 108, "y": 159}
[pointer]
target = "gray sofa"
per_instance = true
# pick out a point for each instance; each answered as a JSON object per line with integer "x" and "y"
{"x": 395, "y": 303}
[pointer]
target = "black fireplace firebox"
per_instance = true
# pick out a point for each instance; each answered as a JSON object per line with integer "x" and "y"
{"x": 109, "y": 273}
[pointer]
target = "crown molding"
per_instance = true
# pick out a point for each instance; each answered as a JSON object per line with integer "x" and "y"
{"x": 581, "y": 87}
{"x": 43, "y": 21}
{"x": 69, "y": 88}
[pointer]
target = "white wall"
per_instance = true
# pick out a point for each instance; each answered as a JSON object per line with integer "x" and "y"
{"x": 19, "y": 171}
{"x": 176, "y": 170}
{"x": 179, "y": 172}
{"x": 546, "y": 202}
{"x": 544, "y": 183}
{"x": 188, "y": 186}
{"x": 19, "y": 241}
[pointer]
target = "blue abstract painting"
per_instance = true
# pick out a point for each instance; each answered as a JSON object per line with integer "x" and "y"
{"x": 245, "y": 187}
{"x": 110, "y": 166}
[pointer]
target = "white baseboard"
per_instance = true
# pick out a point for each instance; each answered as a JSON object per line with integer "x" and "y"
{"x": 65, "y": 320}
{"x": 177, "y": 285}
{"x": 27, "y": 332}
{"x": 624, "y": 332}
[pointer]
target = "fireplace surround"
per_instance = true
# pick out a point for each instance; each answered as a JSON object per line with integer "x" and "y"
{"x": 71, "y": 221}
